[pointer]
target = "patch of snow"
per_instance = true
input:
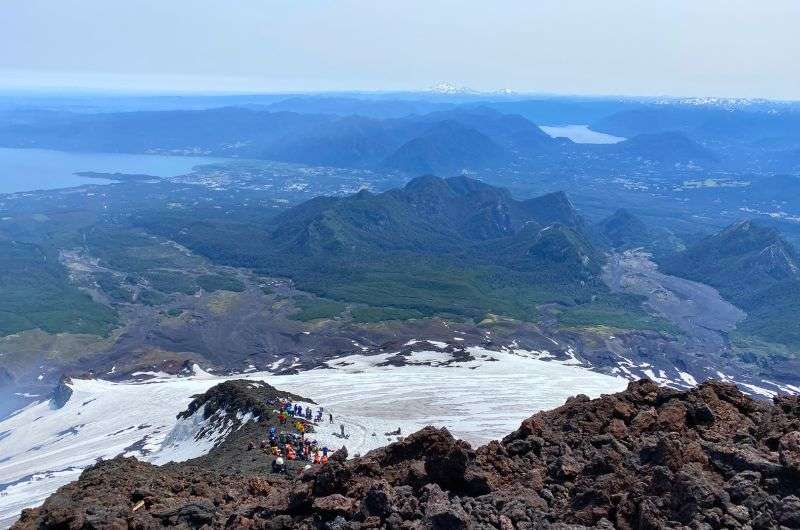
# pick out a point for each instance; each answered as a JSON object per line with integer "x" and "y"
{"x": 788, "y": 389}
{"x": 573, "y": 359}
{"x": 184, "y": 440}
{"x": 437, "y": 343}
{"x": 759, "y": 390}
{"x": 434, "y": 358}
{"x": 652, "y": 376}
{"x": 724, "y": 377}
{"x": 276, "y": 364}
{"x": 534, "y": 354}
{"x": 199, "y": 372}
{"x": 156, "y": 375}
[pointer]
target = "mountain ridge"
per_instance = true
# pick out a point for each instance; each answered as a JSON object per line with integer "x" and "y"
{"x": 754, "y": 267}
{"x": 471, "y": 242}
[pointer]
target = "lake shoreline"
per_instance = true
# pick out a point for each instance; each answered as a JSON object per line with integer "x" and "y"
{"x": 29, "y": 170}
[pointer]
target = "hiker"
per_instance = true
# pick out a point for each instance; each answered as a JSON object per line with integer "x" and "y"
{"x": 341, "y": 428}
{"x": 330, "y": 415}
{"x": 282, "y": 418}
{"x": 290, "y": 452}
{"x": 308, "y": 413}
{"x": 324, "y": 460}
{"x": 278, "y": 466}
{"x": 324, "y": 451}
{"x": 317, "y": 457}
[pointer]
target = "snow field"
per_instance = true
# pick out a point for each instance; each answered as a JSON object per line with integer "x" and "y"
{"x": 42, "y": 448}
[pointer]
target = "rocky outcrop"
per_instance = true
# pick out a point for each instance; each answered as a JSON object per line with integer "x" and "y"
{"x": 239, "y": 396}
{"x": 646, "y": 458}
{"x": 62, "y": 392}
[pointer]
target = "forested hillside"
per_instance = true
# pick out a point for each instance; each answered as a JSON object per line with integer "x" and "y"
{"x": 754, "y": 267}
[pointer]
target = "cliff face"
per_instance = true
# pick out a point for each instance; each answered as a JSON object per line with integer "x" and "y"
{"x": 61, "y": 393}
{"x": 645, "y": 458}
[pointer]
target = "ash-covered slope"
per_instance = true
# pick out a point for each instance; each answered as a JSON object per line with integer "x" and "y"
{"x": 648, "y": 457}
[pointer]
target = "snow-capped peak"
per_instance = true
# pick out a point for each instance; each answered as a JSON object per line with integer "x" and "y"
{"x": 450, "y": 88}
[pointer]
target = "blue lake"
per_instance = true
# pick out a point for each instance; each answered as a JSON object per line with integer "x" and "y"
{"x": 42, "y": 169}
{"x": 580, "y": 134}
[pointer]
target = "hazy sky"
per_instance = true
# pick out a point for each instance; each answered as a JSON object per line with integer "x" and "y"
{"x": 647, "y": 47}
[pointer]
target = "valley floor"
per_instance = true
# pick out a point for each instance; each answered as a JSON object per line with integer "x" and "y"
{"x": 696, "y": 309}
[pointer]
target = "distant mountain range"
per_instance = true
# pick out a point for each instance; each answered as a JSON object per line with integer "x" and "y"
{"x": 708, "y": 123}
{"x": 332, "y": 132}
{"x": 665, "y": 147}
{"x": 353, "y": 106}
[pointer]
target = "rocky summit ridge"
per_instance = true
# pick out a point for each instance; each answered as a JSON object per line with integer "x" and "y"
{"x": 645, "y": 458}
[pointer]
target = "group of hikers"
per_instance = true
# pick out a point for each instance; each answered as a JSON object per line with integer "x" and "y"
{"x": 285, "y": 445}
{"x": 290, "y": 410}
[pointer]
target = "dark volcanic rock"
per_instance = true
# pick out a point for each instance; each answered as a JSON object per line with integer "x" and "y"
{"x": 646, "y": 458}
{"x": 243, "y": 396}
{"x": 62, "y": 392}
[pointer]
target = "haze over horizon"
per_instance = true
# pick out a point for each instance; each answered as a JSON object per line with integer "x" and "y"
{"x": 713, "y": 48}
